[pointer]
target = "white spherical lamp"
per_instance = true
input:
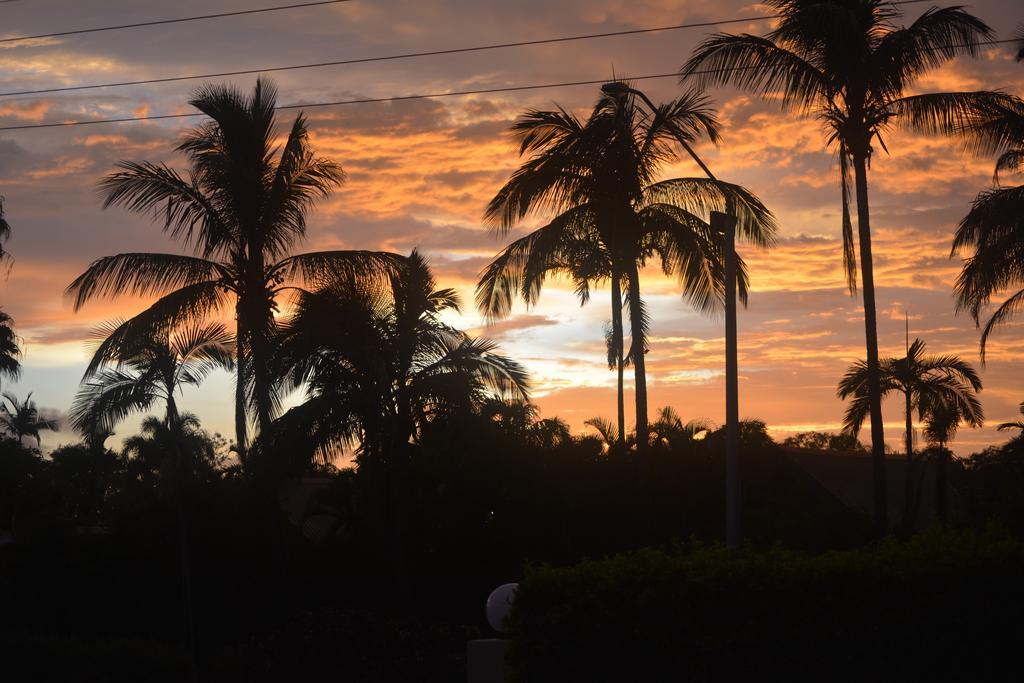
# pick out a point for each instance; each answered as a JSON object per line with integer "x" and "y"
{"x": 499, "y": 604}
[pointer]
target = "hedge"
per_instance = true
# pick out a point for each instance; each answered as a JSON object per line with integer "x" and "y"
{"x": 944, "y": 605}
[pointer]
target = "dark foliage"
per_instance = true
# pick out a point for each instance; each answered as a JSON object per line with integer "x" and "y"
{"x": 708, "y": 614}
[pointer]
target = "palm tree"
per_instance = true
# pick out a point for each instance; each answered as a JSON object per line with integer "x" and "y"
{"x": 377, "y": 363}
{"x": 10, "y": 351}
{"x": 129, "y": 374}
{"x": 670, "y": 430}
{"x": 609, "y": 436}
{"x": 991, "y": 233}
{"x": 21, "y": 418}
{"x": 1017, "y": 424}
{"x": 519, "y": 421}
{"x": 940, "y": 427}
{"x": 845, "y": 63}
{"x": 242, "y": 208}
{"x": 928, "y": 383}
{"x": 600, "y": 177}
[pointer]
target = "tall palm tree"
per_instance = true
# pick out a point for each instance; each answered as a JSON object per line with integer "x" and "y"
{"x": 991, "y": 235}
{"x": 21, "y": 418}
{"x": 242, "y": 207}
{"x": 10, "y": 350}
{"x": 928, "y": 383}
{"x": 129, "y": 374}
{"x": 846, "y": 63}
{"x": 378, "y": 362}
{"x": 613, "y": 215}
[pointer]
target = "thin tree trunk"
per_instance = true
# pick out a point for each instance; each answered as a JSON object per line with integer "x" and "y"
{"x": 241, "y": 417}
{"x": 871, "y": 343}
{"x": 636, "y": 328}
{"x": 941, "y": 484}
{"x": 188, "y": 621}
{"x": 261, "y": 380}
{"x": 908, "y": 485}
{"x": 620, "y": 364}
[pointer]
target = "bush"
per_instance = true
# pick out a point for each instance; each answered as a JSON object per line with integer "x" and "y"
{"x": 945, "y": 604}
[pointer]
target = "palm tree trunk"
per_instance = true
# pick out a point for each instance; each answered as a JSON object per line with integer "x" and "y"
{"x": 636, "y": 328}
{"x": 941, "y": 484}
{"x": 261, "y": 380}
{"x": 241, "y": 418}
{"x": 871, "y": 339}
{"x": 908, "y": 485}
{"x": 620, "y": 365}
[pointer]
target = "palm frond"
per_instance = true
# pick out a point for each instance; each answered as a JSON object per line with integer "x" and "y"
{"x": 159, "y": 191}
{"x": 758, "y": 65}
{"x": 937, "y": 36}
{"x": 140, "y": 274}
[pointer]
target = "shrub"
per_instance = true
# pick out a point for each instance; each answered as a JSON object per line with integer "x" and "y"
{"x": 945, "y": 604}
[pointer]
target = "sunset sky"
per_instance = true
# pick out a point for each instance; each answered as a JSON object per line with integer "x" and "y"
{"x": 420, "y": 173}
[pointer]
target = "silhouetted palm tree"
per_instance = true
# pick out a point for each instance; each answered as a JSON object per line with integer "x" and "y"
{"x": 991, "y": 233}
{"x": 10, "y": 350}
{"x": 847, "y": 64}
{"x": 609, "y": 436}
{"x": 600, "y": 177}
{"x": 940, "y": 427}
{"x": 927, "y": 383}
{"x": 518, "y": 419}
{"x": 377, "y": 363}
{"x": 242, "y": 207}
{"x": 129, "y": 374}
{"x": 21, "y": 418}
{"x": 670, "y": 430}
{"x": 1017, "y": 424}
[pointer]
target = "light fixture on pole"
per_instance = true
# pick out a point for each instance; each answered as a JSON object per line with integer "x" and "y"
{"x": 725, "y": 223}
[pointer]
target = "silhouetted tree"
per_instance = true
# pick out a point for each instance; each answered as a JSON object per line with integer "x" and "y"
{"x": 130, "y": 372}
{"x": 242, "y": 207}
{"x": 600, "y": 176}
{"x": 10, "y": 350}
{"x": 990, "y": 235}
{"x": 847, "y": 64}
{"x": 5, "y": 232}
{"x": 941, "y": 424}
{"x": 377, "y": 362}
{"x": 824, "y": 441}
{"x": 519, "y": 420}
{"x": 670, "y": 431}
{"x": 21, "y": 418}
{"x": 928, "y": 383}
{"x": 1017, "y": 424}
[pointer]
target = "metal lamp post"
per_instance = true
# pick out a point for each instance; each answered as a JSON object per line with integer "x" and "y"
{"x": 726, "y": 223}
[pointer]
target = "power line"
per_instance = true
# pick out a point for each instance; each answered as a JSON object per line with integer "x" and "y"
{"x": 180, "y": 20}
{"x": 407, "y": 55}
{"x": 398, "y": 98}
{"x": 314, "y": 105}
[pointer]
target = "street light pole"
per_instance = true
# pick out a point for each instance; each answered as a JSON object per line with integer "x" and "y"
{"x": 724, "y": 223}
